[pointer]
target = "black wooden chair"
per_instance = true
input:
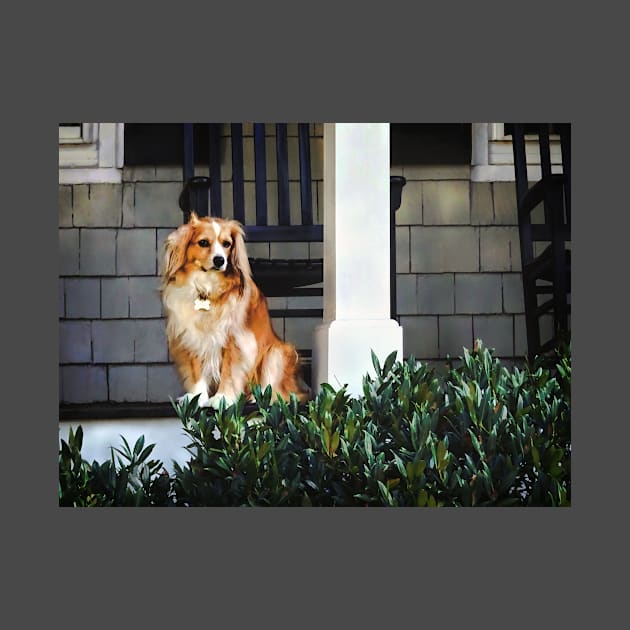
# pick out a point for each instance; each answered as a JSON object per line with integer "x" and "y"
{"x": 279, "y": 277}
{"x": 546, "y": 268}
{"x": 275, "y": 277}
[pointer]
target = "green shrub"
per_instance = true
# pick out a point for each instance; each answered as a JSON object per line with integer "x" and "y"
{"x": 482, "y": 434}
{"x": 138, "y": 482}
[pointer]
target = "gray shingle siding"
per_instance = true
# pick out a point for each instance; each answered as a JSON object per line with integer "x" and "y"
{"x": 457, "y": 260}
{"x": 97, "y": 252}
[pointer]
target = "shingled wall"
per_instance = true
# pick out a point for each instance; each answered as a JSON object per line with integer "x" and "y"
{"x": 458, "y": 265}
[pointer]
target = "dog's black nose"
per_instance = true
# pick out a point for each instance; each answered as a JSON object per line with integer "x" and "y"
{"x": 218, "y": 261}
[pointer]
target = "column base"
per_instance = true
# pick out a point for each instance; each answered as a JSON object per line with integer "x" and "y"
{"x": 341, "y": 351}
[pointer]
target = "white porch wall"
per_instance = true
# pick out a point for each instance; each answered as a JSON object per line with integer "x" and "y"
{"x": 356, "y": 256}
{"x": 166, "y": 433}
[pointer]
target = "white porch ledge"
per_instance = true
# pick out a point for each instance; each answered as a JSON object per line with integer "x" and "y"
{"x": 99, "y": 435}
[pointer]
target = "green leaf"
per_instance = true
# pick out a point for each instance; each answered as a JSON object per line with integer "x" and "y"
{"x": 442, "y": 456}
{"x": 368, "y": 447}
{"x": 366, "y": 498}
{"x": 339, "y": 401}
{"x": 262, "y": 451}
{"x": 402, "y": 469}
{"x": 384, "y": 490}
{"x": 78, "y": 438}
{"x": 328, "y": 389}
{"x": 535, "y": 455}
{"x": 375, "y": 363}
{"x": 351, "y": 429}
{"x": 409, "y": 471}
{"x": 389, "y": 362}
{"x": 147, "y": 451}
{"x": 127, "y": 456}
{"x": 65, "y": 450}
{"x": 475, "y": 442}
{"x": 334, "y": 443}
{"x": 393, "y": 483}
{"x": 127, "y": 450}
{"x": 138, "y": 445}
{"x": 422, "y": 498}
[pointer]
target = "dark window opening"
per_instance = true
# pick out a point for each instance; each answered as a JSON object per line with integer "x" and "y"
{"x": 162, "y": 144}
{"x": 430, "y": 143}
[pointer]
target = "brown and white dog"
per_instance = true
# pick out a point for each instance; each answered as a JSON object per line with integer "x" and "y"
{"x": 218, "y": 327}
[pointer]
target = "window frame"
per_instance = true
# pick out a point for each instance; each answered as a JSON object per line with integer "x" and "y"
{"x": 94, "y": 155}
{"x": 83, "y": 133}
{"x": 492, "y": 159}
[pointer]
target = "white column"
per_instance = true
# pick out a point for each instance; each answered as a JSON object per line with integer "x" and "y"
{"x": 356, "y": 256}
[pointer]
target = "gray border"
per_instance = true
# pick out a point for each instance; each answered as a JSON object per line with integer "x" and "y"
{"x": 434, "y": 66}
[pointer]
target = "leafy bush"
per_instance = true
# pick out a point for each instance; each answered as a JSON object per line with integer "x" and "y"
{"x": 113, "y": 483}
{"x": 480, "y": 435}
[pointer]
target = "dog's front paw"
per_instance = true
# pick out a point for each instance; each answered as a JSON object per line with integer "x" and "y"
{"x": 215, "y": 401}
{"x": 185, "y": 398}
{"x": 202, "y": 401}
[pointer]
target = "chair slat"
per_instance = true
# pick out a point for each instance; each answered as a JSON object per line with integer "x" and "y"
{"x": 214, "y": 158}
{"x": 238, "y": 186}
{"x": 297, "y": 312}
{"x": 260, "y": 167}
{"x": 305, "y": 174}
{"x": 282, "y": 162}
{"x": 284, "y": 233}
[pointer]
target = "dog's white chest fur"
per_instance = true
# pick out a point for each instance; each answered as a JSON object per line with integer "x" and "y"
{"x": 205, "y": 331}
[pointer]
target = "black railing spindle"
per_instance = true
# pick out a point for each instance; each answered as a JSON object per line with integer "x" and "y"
{"x": 305, "y": 174}
{"x": 238, "y": 186}
{"x": 214, "y": 166}
{"x": 189, "y": 152}
{"x": 260, "y": 166}
{"x": 282, "y": 162}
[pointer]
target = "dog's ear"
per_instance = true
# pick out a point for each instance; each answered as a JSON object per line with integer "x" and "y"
{"x": 238, "y": 254}
{"x": 175, "y": 251}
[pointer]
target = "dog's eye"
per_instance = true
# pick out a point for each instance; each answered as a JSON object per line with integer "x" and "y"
{"x": 203, "y": 243}
{"x": 226, "y": 244}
